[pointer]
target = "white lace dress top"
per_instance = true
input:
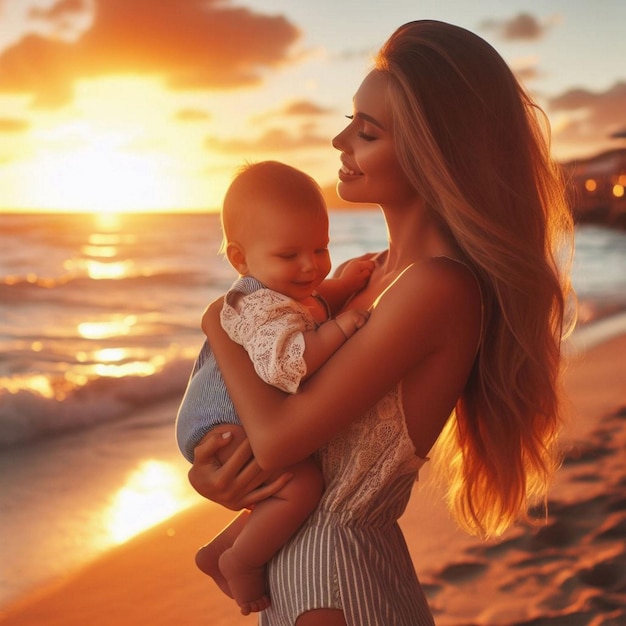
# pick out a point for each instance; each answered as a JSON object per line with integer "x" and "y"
{"x": 364, "y": 460}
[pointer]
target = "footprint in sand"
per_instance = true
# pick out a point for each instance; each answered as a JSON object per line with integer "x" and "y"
{"x": 458, "y": 572}
{"x": 609, "y": 574}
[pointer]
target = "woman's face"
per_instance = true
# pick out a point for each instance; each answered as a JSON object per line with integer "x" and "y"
{"x": 370, "y": 171}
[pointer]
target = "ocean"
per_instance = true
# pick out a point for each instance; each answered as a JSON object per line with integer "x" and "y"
{"x": 99, "y": 326}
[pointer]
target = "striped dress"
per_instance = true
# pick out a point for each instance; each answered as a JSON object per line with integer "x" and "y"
{"x": 350, "y": 554}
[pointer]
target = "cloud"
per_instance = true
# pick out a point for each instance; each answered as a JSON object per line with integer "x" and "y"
{"x": 192, "y": 115}
{"x": 12, "y": 125}
{"x": 304, "y": 107}
{"x": 294, "y": 109}
{"x": 526, "y": 68}
{"x": 591, "y": 116}
{"x": 521, "y": 27}
{"x": 274, "y": 140}
{"x": 354, "y": 54}
{"x": 60, "y": 10}
{"x": 192, "y": 44}
{"x": 527, "y": 74}
{"x": 65, "y": 18}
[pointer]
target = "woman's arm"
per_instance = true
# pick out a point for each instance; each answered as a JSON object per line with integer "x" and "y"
{"x": 415, "y": 321}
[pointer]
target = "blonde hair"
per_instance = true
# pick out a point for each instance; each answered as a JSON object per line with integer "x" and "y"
{"x": 471, "y": 142}
{"x": 258, "y": 186}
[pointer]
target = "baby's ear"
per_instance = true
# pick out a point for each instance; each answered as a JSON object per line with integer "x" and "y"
{"x": 237, "y": 257}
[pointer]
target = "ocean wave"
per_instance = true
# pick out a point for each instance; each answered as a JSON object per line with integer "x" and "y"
{"x": 20, "y": 285}
{"x": 26, "y": 415}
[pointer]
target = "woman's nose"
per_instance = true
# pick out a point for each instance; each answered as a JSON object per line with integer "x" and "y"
{"x": 339, "y": 142}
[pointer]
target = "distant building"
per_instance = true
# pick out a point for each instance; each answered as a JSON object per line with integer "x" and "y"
{"x": 597, "y": 187}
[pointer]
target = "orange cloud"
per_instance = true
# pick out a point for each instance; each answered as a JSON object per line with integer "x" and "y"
{"x": 65, "y": 16}
{"x": 192, "y": 44}
{"x": 527, "y": 72}
{"x": 296, "y": 108}
{"x": 192, "y": 115}
{"x": 274, "y": 140}
{"x": 12, "y": 125}
{"x": 596, "y": 115}
{"x": 304, "y": 107}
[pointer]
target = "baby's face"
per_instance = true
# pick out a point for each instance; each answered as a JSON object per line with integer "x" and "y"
{"x": 288, "y": 250}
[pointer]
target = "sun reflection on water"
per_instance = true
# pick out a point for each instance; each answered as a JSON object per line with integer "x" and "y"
{"x": 99, "y": 251}
{"x": 109, "y": 328}
{"x": 108, "y": 220}
{"x": 119, "y": 362}
{"x": 134, "y": 368}
{"x": 112, "y": 239}
{"x": 110, "y": 355}
{"x": 152, "y": 493}
{"x": 101, "y": 271}
{"x": 37, "y": 383}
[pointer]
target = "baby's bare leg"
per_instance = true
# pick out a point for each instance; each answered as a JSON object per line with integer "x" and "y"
{"x": 270, "y": 525}
{"x": 207, "y": 557}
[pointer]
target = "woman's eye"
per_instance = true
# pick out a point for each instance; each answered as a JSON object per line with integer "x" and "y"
{"x": 365, "y": 136}
{"x": 360, "y": 133}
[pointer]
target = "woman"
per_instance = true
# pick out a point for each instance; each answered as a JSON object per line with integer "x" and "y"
{"x": 462, "y": 346}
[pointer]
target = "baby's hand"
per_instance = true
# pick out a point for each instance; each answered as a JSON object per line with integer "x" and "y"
{"x": 350, "y": 321}
{"x": 356, "y": 273}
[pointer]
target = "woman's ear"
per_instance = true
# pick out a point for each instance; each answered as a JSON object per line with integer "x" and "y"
{"x": 237, "y": 257}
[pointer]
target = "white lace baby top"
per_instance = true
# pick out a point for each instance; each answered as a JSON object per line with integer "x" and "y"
{"x": 269, "y": 326}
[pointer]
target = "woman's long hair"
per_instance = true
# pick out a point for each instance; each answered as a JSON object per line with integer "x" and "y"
{"x": 472, "y": 142}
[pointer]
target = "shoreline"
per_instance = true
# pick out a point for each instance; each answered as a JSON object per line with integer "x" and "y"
{"x": 152, "y": 578}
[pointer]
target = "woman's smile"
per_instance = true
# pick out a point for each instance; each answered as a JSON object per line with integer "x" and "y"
{"x": 346, "y": 174}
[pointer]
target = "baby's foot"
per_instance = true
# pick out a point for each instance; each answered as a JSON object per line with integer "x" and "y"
{"x": 247, "y": 583}
{"x": 207, "y": 560}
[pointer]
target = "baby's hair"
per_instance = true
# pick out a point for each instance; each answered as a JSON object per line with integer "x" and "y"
{"x": 263, "y": 184}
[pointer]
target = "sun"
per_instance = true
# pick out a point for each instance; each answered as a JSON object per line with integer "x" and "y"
{"x": 102, "y": 179}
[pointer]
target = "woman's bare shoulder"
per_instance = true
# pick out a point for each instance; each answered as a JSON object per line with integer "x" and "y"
{"x": 440, "y": 282}
{"x": 433, "y": 303}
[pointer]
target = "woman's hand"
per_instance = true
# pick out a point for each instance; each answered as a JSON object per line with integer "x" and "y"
{"x": 237, "y": 484}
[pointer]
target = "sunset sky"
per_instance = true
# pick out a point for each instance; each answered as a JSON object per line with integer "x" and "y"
{"x": 110, "y": 105}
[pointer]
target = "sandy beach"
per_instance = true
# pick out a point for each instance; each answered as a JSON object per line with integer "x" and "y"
{"x": 570, "y": 570}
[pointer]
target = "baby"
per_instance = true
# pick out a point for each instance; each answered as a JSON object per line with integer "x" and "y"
{"x": 280, "y": 310}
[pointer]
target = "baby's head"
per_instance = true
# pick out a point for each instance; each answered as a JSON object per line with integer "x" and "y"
{"x": 275, "y": 225}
